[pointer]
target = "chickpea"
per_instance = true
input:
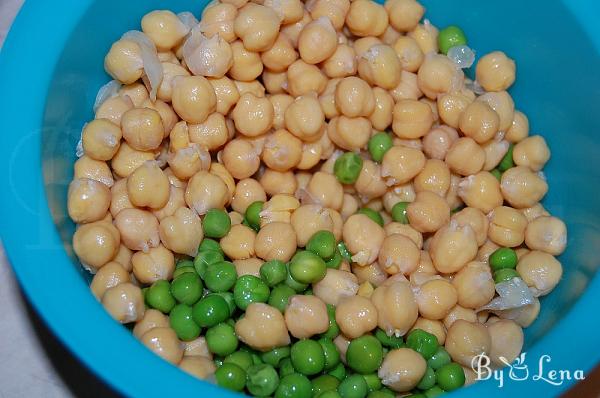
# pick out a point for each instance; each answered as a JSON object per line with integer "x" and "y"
{"x": 123, "y": 257}
{"x": 280, "y": 104}
{"x": 409, "y": 53}
{"x": 164, "y": 342}
{"x": 429, "y": 212}
{"x": 88, "y": 200}
{"x": 531, "y": 152}
{"x": 404, "y": 14}
{"x": 452, "y": 197}
{"x": 199, "y": 367}
{"x": 434, "y": 177}
{"x": 148, "y": 186}
{"x": 507, "y": 226}
{"x": 370, "y": 183}
{"x": 136, "y": 92}
{"x": 152, "y": 319}
{"x": 236, "y": 218}
{"x": 257, "y": 26}
{"x": 402, "y": 369}
{"x": 124, "y": 302}
{"x": 226, "y": 92}
{"x": 349, "y": 133}
{"x": 479, "y": 121}
{"x": 138, "y": 228}
{"x": 327, "y": 99}
{"x": 309, "y": 219}
{"x": 247, "y": 64}
{"x": 276, "y": 241}
{"x": 127, "y": 159}
{"x": 167, "y": 115}
{"x": 412, "y": 119}
{"x": 495, "y": 71}
{"x": 109, "y": 275}
{"x": 452, "y": 247}
{"x": 401, "y": 164}
{"x": 341, "y": 63}
{"x": 96, "y": 244}
{"x": 474, "y": 285}
{"x": 366, "y": 18}
{"x": 113, "y": 109}
{"x": 481, "y": 191}
{"x": 211, "y": 134}
{"x": 523, "y": 316}
{"x": 158, "y": 263}
{"x": 289, "y": 11}
{"x": 317, "y": 41}
{"x": 239, "y": 243}
{"x": 415, "y": 236}
{"x": 502, "y": 103}
{"x": 304, "y": 78}
{"x": 354, "y": 97}
{"x": 173, "y": 180}
{"x": 292, "y": 30}
{"x": 182, "y": 232}
{"x": 275, "y": 182}
{"x": 247, "y": 191}
{"x": 362, "y": 44}
{"x": 218, "y": 19}
{"x": 396, "y": 307}
{"x": 170, "y": 72}
{"x": 100, "y": 139}
{"x": 188, "y": 161}
{"x": 164, "y": 28}
{"x": 521, "y": 187}
{"x": 364, "y": 238}
{"x": 476, "y": 219}
{"x": 325, "y": 190}
{"x": 240, "y": 159}
{"x": 275, "y": 82}
{"x": 371, "y": 273}
{"x": 350, "y": 205}
{"x": 484, "y": 252}
{"x": 380, "y": 66}
{"x": 458, "y": 312}
{"x": 119, "y": 199}
{"x": 254, "y": 87}
{"x": 548, "y": 234}
{"x": 304, "y": 118}
{"x": 507, "y": 341}
{"x": 197, "y": 348}
{"x": 306, "y": 316}
{"x": 434, "y": 327}
{"x": 210, "y": 57}
{"x": 281, "y": 55}
{"x": 494, "y": 149}
{"x": 451, "y": 107}
{"x": 262, "y": 328}
{"x": 252, "y": 115}
{"x": 519, "y": 128}
{"x": 335, "y": 10}
{"x": 193, "y": 98}
{"x": 124, "y": 61}
{"x": 356, "y": 315}
{"x": 248, "y": 266}
{"x": 335, "y": 286}
{"x": 398, "y": 253}
{"x": 436, "y": 298}
{"x": 439, "y": 75}
{"x": 533, "y": 212}
{"x": 465, "y": 340}
{"x": 407, "y": 89}
{"x": 381, "y": 117}
{"x": 465, "y": 156}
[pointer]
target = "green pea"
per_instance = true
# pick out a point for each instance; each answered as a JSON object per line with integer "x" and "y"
{"x": 293, "y": 283}
{"x": 450, "y": 376}
{"x": 180, "y": 319}
{"x": 308, "y": 357}
{"x": 228, "y": 297}
{"x": 184, "y": 263}
{"x": 372, "y": 214}
{"x": 322, "y": 243}
{"x": 335, "y": 261}
{"x": 231, "y": 376}
{"x": 159, "y": 296}
{"x": 439, "y": 359}
{"x": 253, "y": 214}
{"x": 279, "y": 296}
{"x": 183, "y": 270}
{"x": 324, "y": 383}
{"x": 347, "y": 167}
{"x": 505, "y": 275}
{"x": 275, "y": 356}
{"x": 339, "y": 372}
{"x": 250, "y": 289}
{"x": 331, "y": 352}
{"x": 399, "y": 213}
{"x": 449, "y": 37}
{"x": 307, "y": 267}
{"x": 187, "y": 288}
{"x": 261, "y": 380}
{"x": 210, "y": 311}
{"x": 329, "y": 394}
{"x": 221, "y": 339}
{"x": 273, "y": 272}
{"x": 504, "y": 257}
{"x": 364, "y": 354}
{"x": 378, "y": 145}
{"x": 373, "y": 382}
{"x": 344, "y": 252}
{"x": 434, "y": 391}
{"x": 507, "y": 161}
{"x": 221, "y": 276}
{"x": 243, "y": 359}
{"x": 286, "y": 367}
{"x": 389, "y": 341}
{"x": 334, "y": 330}
{"x": 428, "y": 380}
{"x": 381, "y": 394}
{"x": 294, "y": 385}
{"x": 422, "y": 342}
{"x": 216, "y": 223}
{"x": 204, "y": 258}
{"x": 353, "y": 386}
{"x": 210, "y": 245}
{"x": 456, "y": 209}
{"x": 497, "y": 173}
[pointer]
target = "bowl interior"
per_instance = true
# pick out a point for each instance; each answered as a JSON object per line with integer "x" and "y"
{"x": 558, "y": 88}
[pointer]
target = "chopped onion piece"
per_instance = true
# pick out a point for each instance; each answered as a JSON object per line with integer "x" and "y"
{"x": 79, "y": 148}
{"x": 107, "y": 91}
{"x": 511, "y": 294}
{"x": 474, "y": 86}
{"x": 462, "y": 56}
{"x": 188, "y": 19}
{"x": 152, "y": 65}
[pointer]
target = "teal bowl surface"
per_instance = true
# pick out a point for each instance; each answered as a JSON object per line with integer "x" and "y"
{"x": 51, "y": 67}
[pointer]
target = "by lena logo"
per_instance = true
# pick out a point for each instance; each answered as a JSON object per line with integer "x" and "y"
{"x": 518, "y": 370}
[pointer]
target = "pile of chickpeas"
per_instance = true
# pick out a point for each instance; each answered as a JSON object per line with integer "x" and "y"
{"x": 314, "y": 201}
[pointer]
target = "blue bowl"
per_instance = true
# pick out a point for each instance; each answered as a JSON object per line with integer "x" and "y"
{"x": 51, "y": 68}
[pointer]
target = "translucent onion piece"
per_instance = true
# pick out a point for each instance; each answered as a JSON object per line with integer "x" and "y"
{"x": 109, "y": 90}
{"x": 79, "y": 148}
{"x": 152, "y": 66}
{"x": 462, "y": 56}
{"x": 511, "y": 294}
{"x": 188, "y": 19}
{"x": 204, "y": 56}
{"x": 474, "y": 87}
